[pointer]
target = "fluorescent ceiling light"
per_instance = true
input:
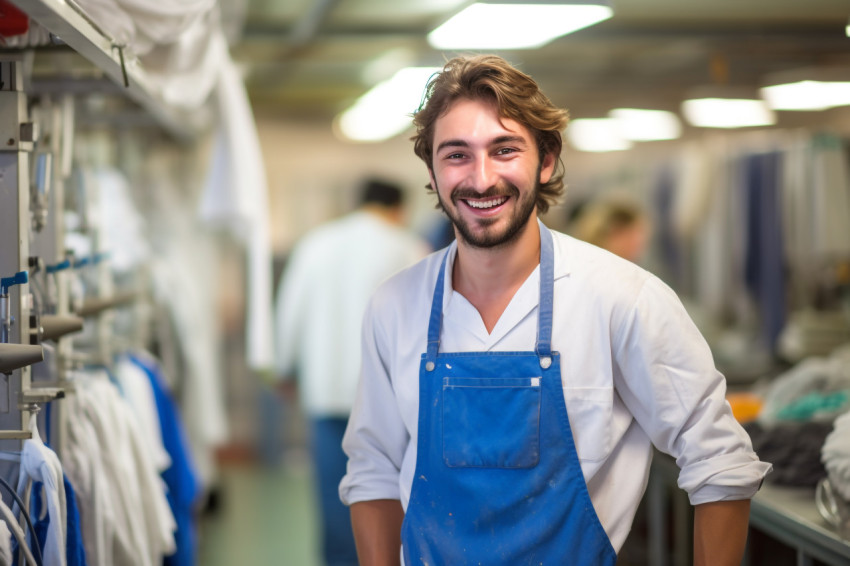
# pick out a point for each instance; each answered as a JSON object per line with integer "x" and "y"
{"x": 727, "y": 113}
{"x": 504, "y": 25}
{"x": 637, "y": 124}
{"x": 597, "y": 134}
{"x": 807, "y": 95}
{"x": 385, "y": 110}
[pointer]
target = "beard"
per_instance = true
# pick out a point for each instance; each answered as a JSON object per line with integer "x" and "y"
{"x": 488, "y": 235}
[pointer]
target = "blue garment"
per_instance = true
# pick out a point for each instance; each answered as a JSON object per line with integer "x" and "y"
{"x": 74, "y": 534}
{"x": 330, "y": 461}
{"x": 764, "y": 261}
{"x": 75, "y": 552}
{"x": 498, "y": 480}
{"x": 181, "y": 478}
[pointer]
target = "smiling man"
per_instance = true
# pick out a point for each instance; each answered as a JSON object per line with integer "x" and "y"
{"x": 513, "y": 384}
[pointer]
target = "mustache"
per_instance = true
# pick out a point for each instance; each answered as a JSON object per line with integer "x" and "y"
{"x": 503, "y": 189}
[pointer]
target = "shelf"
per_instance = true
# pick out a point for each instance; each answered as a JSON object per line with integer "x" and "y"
{"x": 84, "y": 37}
{"x": 789, "y": 515}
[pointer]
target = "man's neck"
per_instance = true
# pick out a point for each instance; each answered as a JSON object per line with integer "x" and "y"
{"x": 489, "y": 277}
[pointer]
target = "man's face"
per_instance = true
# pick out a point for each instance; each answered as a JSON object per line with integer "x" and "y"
{"x": 486, "y": 172}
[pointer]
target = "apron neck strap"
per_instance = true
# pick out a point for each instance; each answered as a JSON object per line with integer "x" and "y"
{"x": 544, "y": 319}
{"x": 547, "y": 284}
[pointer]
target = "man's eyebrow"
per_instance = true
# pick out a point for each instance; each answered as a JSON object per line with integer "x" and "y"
{"x": 452, "y": 143}
{"x": 509, "y": 139}
{"x": 495, "y": 141}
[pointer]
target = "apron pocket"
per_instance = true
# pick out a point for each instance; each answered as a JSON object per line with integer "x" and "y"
{"x": 491, "y": 422}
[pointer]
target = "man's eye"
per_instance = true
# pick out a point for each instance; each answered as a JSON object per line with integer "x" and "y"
{"x": 505, "y": 151}
{"x": 454, "y": 156}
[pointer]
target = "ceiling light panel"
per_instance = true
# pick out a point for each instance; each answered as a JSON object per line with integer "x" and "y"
{"x": 727, "y": 113}
{"x": 637, "y": 124}
{"x": 386, "y": 109}
{"x": 498, "y": 25}
{"x": 597, "y": 134}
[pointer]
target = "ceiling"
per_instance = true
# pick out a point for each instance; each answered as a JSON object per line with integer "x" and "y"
{"x": 313, "y": 58}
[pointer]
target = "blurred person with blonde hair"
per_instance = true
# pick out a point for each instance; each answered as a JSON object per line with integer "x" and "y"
{"x": 614, "y": 224}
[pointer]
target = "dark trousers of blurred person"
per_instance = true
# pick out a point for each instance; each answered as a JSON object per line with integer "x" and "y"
{"x": 337, "y": 540}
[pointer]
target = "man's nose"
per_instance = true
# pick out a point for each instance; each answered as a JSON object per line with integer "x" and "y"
{"x": 483, "y": 175}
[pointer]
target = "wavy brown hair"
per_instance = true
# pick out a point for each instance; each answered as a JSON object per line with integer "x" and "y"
{"x": 516, "y": 95}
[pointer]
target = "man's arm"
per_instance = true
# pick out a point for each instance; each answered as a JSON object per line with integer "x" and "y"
{"x": 377, "y": 531}
{"x": 720, "y": 532}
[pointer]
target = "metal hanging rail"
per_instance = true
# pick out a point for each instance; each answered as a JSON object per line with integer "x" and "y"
{"x": 82, "y": 35}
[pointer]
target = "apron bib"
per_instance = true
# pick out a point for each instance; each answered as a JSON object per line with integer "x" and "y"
{"x": 498, "y": 480}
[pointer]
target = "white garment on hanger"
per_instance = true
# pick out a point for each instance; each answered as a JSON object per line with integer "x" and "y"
{"x": 40, "y": 463}
{"x": 138, "y": 393}
{"x": 84, "y": 466}
{"x": 145, "y": 524}
{"x": 11, "y": 521}
{"x": 236, "y": 196}
{"x": 5, "y": 544}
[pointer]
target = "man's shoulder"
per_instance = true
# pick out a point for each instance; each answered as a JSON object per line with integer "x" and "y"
{"x": 599, "y": 270}
{"x": 411, "y": 284}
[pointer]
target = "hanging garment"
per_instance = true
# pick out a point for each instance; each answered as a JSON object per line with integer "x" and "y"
{"x": 84, "y": 465}
{"x": 764, "y": 264}
{"x": 516, "y": 495}
{"x": 181, "y": 478}
{"x": 142, "y": 492}
{"x": 75, "y": 546}
{"x": 137, "y": 391}
{"x": 40, "y": 464}
{"x": 236, "y": 197}
{"x": 9, "y": 521}
{"x": 5, "y": 544}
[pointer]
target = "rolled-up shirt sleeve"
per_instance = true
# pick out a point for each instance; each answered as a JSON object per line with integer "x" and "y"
{"x": 376, "y": 437}
{"x": 669, "y": 382}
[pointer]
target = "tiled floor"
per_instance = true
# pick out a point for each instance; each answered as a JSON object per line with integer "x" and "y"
{"x": 264, "y": 516}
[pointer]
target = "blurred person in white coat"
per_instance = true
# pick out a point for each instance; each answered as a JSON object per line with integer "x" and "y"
{"x": 323, "y": 293}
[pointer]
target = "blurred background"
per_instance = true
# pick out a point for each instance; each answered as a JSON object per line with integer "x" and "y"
{"x": 174, "y": 156}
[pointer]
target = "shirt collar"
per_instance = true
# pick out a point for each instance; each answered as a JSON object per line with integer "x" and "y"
{"x": 564, "y": 257}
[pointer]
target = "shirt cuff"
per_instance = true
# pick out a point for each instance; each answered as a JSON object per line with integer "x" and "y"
{"x": 723, "y": 478}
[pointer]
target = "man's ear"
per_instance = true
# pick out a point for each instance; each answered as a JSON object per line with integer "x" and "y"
{"x": 547, "y": 167}
{"x": 431, "y": 178}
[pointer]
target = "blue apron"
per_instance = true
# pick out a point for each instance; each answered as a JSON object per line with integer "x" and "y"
{"x": 497, "y": 479}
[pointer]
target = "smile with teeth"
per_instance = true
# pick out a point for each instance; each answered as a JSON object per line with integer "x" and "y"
{"x": 480, "y": 204}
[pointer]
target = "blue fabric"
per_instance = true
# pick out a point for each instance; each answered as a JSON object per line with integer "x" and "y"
{"x": 181, "y": 478}
{"x": 764, "y": 263}
{"x": 337, "y": 538}
{"x": 668, "y": 242}
{"x": 76, "y": 552}
{"x": 498, "y": 480}
{"x": 40, "y": 524}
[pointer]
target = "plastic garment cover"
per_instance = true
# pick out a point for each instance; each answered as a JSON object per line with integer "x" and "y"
{"x": 835, "y": 455}
{"x": 142, "y": 25}
{"x": 163, "y": 22}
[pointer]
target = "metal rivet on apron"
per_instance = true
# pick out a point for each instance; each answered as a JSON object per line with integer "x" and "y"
{"x": 429, "y": 366}
{"x": 545, "y": 362}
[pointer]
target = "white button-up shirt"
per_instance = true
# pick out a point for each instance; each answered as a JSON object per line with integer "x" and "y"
{"x": 321, "y": 298}
{"x": 635, "y": 372}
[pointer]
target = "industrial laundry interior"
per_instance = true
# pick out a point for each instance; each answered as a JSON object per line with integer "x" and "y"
{"x": 159, "y": 164}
